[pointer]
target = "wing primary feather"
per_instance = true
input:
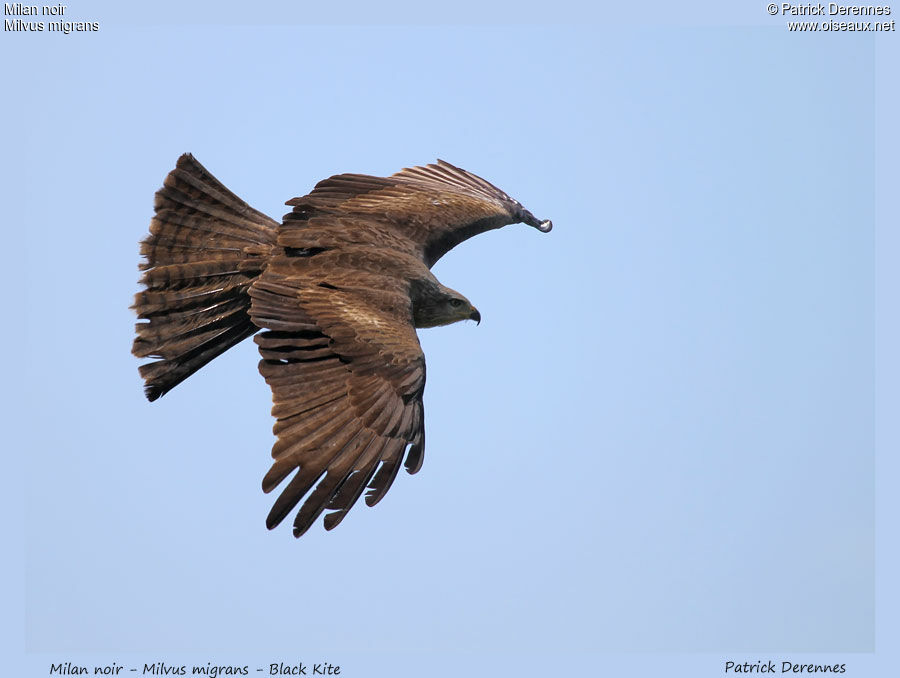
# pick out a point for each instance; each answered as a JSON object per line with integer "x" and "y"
{"x": 416, "y": 454}
{"x": 353, "y": 485}
{"x": 335, "y": 474}
{"x": 311, "y": 468}
{"x": 386, "y": 473}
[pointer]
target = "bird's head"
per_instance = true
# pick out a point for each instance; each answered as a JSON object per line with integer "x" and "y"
{"x": 444, "y": 308}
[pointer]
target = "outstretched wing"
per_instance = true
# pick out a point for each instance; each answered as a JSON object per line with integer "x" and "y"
{"x": 436, "y": 207}
{"x": 347, "y": 375}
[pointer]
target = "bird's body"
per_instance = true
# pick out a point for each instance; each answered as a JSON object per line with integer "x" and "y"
{"x": 339, "y": 288}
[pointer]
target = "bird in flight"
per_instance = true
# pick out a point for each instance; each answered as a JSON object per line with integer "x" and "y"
{"x": 338, "y": 288}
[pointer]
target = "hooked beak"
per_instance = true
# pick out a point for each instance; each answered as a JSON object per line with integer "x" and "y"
{"x": 475, "y": 315}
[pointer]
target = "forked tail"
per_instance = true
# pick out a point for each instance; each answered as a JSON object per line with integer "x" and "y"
{"x": 206, "y": 247}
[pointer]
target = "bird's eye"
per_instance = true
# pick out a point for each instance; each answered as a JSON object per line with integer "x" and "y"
{"x": 456, "y": 303}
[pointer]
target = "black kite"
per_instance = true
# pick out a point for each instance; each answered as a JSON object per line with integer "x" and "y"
{"x": 339, "y": 287}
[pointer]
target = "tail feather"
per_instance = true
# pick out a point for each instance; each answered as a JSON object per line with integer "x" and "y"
{"x": 206, "y": 247}
{"x": 180, "y": 338}
{"x": 219, "y": 273}
{"x": 163, "y": 375}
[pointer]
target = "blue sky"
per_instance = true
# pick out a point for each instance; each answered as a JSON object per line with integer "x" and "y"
{"x": 661, "y": 438}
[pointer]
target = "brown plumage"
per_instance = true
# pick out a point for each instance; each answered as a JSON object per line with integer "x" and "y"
{"x": 339, "y": 288}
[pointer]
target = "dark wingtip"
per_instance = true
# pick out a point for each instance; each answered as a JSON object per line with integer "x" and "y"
{"x": 152, "y": 391}
{"x": 415, "y": 456}
{"x": 527, "y": 217}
